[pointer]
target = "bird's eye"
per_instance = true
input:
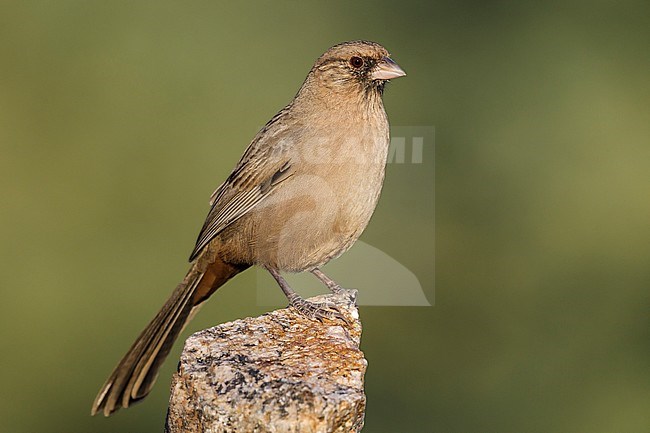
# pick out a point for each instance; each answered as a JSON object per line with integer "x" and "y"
{"x": 356, "y": 62}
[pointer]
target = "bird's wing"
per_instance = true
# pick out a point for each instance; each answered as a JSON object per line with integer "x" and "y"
{"x": 261, "y": 169}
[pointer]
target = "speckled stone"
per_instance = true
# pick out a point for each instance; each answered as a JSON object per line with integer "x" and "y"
{"x": 277, "y": 373}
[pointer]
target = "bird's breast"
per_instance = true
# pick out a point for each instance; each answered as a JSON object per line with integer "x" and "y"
{"x": 328, "y": 201}
{"x": 336, "y": 163}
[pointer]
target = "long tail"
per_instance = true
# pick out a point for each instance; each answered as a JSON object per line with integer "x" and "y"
{"x": 136, "y": 373}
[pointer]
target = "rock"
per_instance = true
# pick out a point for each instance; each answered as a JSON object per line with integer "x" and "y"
{"x": 277, "y": 373}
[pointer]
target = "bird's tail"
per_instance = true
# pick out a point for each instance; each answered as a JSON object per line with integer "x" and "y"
{"x": 136, "y": 373}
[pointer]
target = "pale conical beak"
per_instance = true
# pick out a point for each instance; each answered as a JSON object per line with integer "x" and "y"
{"x": 386, "y": 69}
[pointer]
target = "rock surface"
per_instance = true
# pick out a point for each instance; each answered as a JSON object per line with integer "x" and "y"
{"x": 277, "y": 373}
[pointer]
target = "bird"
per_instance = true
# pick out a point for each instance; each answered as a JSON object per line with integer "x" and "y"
{"x": 301, "y": 195}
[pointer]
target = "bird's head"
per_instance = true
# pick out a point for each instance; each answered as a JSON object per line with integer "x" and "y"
{"x": 355, "y": 66}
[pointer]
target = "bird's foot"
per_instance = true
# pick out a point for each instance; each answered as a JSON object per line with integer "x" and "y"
{"x": 317, "y": 310}
{"x": 349, "y": 294}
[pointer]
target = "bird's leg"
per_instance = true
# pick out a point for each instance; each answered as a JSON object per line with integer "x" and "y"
{"x": 313, "y": 310}
{"x": 330, "y": 283}
{"x": 334, "y": 286}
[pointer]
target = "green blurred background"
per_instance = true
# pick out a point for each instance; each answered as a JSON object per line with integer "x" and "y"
{"x": 118, "y": 119}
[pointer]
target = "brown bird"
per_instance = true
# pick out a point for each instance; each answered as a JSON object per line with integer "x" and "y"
{"x": 301, "y": 195}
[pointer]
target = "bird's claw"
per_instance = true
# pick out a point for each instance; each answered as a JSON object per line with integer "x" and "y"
{"x": 349, "y": 294}
{"x": 319, "y": 310}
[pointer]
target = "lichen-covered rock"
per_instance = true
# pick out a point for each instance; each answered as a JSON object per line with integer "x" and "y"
{"x": 277, "y": 373}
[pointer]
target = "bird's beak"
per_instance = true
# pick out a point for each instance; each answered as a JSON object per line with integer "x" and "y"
{"x": 386, "y": 69}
